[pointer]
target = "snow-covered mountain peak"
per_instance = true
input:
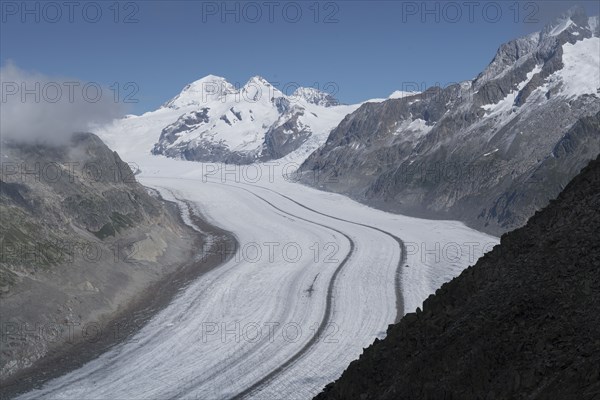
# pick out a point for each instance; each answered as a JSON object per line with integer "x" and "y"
{"x": 209, "y": 78}
{"x": 259, "y": 89}
{"x": 400, "y": 94}
{"x": 315, "y": 96}
{"x": 213, "y": 120}
{"x": 517, "y": 57}
{"x": 561, "y": 26}
{"x": 203, "y": 91}
{"x": 572, "y": 20}
{"x": 258, "y": 80}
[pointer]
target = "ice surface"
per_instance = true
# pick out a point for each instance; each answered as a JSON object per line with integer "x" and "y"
{"x": 177, "y": 355}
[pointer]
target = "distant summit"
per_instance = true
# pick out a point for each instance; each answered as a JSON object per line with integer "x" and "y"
{"x": 213, "y": 120}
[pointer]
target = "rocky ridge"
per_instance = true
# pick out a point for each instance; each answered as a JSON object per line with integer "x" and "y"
{"x": 489, "y": 152}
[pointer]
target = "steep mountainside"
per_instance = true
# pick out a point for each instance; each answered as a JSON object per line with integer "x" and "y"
{"x": 489, "y": 151}
{"x": 80, "y": 238}
{"x": 523, "y": 323}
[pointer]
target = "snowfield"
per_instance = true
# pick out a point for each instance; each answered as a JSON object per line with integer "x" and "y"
{"x": 316, "y": 278}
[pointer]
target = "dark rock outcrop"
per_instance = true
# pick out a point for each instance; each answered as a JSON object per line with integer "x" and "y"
{"x": 523, "y": 323}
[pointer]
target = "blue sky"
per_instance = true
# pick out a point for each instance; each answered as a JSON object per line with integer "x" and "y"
{"x": 367, "y": 49}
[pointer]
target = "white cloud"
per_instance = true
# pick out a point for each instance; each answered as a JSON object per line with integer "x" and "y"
{"x": 40, "y": 108}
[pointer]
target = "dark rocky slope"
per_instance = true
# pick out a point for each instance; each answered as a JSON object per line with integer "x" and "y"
{"x": 81, "y": 240}
{"x": 523, "y": 323}
{"x": 483, "y": 151}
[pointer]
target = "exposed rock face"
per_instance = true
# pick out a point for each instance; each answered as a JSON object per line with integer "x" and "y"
{"x": 283, "y": 139}
{"x": 85, "y": 187}
{"x": 486, "y": 151}
{"x": 80, "y": 238}
{"x": 523, "y": 323}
